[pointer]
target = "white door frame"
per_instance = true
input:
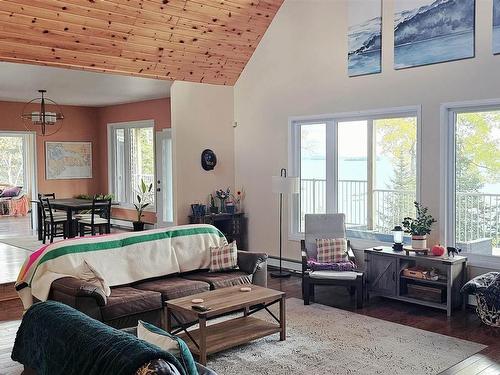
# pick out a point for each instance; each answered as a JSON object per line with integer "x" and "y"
{"x": 164, "y": 181}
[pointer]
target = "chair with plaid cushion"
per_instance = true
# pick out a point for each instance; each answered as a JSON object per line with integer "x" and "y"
{"x": 327, "y": 258}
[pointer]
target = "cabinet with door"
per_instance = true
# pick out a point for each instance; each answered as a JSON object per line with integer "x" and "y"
{"x": 385, "y": 277}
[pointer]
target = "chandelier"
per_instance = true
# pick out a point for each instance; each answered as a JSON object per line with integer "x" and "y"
{"x": 42, "y": 115}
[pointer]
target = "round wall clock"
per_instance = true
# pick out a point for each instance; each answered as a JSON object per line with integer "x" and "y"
{"x": 208, "y": 160}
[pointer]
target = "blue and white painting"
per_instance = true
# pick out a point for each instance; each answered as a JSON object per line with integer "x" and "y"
{"x": 496, "y": 26}
{"x": 432, "y": 31}
{"x": 365, "y": 37}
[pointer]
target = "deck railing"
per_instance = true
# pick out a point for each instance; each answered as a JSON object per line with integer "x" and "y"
{"x": 478, "y": 215}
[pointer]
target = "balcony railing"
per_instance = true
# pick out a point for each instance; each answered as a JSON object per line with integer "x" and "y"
{"x": 478, "y": 215}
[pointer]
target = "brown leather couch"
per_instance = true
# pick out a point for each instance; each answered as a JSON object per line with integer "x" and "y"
{"x": 145, "y": 299}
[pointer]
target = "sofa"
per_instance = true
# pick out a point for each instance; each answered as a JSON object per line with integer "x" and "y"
{"x": 56, "y": 339}
{"x": 145, "y": 299}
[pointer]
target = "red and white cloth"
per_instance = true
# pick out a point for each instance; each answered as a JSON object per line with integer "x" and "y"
{"x": 332, "y": 250}
{"x": 224, "y": 258}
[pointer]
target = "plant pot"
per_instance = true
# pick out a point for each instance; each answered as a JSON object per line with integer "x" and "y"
{"x": 419, "y": 242}
{"x": 138, "y": 226}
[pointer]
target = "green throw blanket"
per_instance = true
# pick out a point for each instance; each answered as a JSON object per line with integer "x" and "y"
{"x": 55, "y": 339}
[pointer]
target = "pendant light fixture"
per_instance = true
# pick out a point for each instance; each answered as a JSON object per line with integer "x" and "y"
{"x": 42, "y": 115}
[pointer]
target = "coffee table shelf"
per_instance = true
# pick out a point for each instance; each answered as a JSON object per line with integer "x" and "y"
{"x": 231, "y": 333}
{"x": 212, "y": 338}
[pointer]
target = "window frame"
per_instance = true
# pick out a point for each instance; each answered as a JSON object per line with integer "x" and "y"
{"x": 112, "y": 127}
{"x": 331, "y": 121}
{"x": 448, "y": 172}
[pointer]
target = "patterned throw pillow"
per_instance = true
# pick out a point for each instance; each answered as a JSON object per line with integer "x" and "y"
{"x": 224, "y": 258}
{"x": 332, "y": 250}
{"x": 168, "y": 342}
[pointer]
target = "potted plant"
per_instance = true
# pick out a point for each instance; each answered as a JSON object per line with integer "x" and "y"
{"x": 419, "y": 227}
{"x": 213, "y": 207}
{"x": 141, "y": 204}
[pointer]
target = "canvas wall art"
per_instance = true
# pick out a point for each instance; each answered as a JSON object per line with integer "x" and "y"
{"x": 364, "y": 37}
{"x": 496, "y": 26}
{"x": 432, "y": 31}
{"x": 68, "y": 160}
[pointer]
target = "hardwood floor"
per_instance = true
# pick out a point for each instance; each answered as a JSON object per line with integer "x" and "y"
{"x": 463, "y": 324}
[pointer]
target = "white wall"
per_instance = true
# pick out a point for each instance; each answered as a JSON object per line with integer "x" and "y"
{"x": 300, "y": 68}
{"x": 202, "y": 117}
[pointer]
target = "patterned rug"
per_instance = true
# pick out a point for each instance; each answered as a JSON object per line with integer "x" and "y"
{"x": 324, "y": 340}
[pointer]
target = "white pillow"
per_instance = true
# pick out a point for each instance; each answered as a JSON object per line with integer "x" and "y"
{"x": 162, "y": 341}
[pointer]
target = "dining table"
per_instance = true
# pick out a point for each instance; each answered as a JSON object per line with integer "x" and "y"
{"x": 70, "y": 206}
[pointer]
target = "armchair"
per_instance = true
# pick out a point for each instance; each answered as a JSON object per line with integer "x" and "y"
{"x": 327, "y": 226}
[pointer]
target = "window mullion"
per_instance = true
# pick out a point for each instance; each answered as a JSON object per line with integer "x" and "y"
{"x": 370, "y": 174}
{"x": 127, "y": 174}
{"x": 331, "y": 166}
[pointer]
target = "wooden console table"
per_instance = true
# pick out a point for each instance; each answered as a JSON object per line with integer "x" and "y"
{"x": 384, "y": 276}
{"x": 233, "y": 226}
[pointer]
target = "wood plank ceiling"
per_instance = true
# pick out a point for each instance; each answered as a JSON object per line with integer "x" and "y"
{"x": 206, "y": 41}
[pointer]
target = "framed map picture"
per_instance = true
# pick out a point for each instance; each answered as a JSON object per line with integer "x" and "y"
{"x": 68, "y": 160}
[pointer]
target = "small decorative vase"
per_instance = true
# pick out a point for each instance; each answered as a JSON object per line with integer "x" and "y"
{"x": 222, "y": 206}
{"x": 214, "y": 210}
{"x": 230, "y": 208}
{"x": 419, "y": 242}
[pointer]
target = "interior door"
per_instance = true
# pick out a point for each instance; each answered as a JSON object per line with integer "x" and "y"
{"x": 382, "y": 274}
{"x": 164, "y": 179}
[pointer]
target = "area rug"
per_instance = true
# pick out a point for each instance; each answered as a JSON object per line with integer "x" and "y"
{"x": 324, "y": 340}
{"x": 30, "y": 243}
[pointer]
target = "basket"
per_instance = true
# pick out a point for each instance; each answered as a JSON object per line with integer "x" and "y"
{"x": 488, "y": 314}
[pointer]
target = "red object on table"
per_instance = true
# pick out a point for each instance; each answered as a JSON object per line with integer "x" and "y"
{"x": 438, "y": 250}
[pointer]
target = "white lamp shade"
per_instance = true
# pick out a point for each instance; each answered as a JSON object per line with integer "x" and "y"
{"x": 285, "y": 185}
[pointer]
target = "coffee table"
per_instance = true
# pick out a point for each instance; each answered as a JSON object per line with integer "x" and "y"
{"x": 209, "y": 339}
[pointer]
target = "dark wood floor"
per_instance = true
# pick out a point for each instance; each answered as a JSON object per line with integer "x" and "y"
{"x": 463, "y": 324}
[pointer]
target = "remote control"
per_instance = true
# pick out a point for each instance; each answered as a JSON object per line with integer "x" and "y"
{"x": 200, "y": 308}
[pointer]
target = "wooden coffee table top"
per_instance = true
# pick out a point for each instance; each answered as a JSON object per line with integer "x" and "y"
{"x": 226, "y": 300}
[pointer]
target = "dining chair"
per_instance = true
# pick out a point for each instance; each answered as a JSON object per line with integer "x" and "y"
{"x": 54, "y": 225}
{"x": 327, "y": 226}
{"x": 99, "y": 218}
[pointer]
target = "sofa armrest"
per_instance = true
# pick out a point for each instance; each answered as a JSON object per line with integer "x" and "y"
{"x": 254, "y": 264}
{"x": 73, "y": 287}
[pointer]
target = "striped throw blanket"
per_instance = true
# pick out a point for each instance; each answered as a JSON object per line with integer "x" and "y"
{"x": 119, "y": 258}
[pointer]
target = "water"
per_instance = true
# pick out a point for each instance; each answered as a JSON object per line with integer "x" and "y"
{"x": 430, "y": 51}
{"x": 365, "y": 63}
{"x": 350, "y": 169}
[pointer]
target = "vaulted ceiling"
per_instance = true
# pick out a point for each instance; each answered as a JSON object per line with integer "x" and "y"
{"x": 206, "y": 41}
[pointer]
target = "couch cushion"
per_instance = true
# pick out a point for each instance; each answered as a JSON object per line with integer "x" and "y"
{"x": 174, "y": 287}
{"x": 219, "y": 280}
{"x": 125, "y": 301}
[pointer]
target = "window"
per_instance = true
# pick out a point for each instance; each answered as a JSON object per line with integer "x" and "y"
{"x": 474, "y": 178}
{"x": 12, "y": 159}
{"x": 132, "y": 159}
{"x": 364, "y": 166}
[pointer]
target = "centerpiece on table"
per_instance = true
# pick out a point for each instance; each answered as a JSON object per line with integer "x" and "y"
{"x": 223, "y": 195}
{"x": 419, "y": 227}
{"x": 143, "y": 194}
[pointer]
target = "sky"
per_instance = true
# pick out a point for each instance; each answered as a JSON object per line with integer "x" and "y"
{"x": 363, "y": 10}
{"x": 400, "y": 5}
